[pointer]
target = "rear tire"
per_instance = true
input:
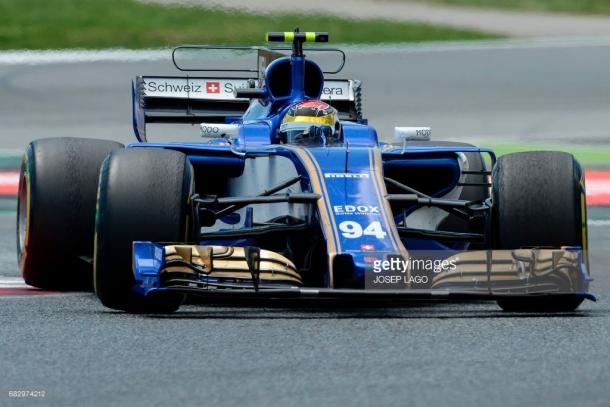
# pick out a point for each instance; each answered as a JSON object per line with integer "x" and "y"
{"x": 56, "y": 211}
{"x": 539, "y": 200}
{"x": 143, "y": 195}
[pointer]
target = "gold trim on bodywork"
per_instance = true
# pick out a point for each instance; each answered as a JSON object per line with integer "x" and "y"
{"x": 228, "y": 262}
{"x": 520, "y": 269}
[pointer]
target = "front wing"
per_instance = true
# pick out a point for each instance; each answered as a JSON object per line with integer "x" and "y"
{"x": 238, "y": 272}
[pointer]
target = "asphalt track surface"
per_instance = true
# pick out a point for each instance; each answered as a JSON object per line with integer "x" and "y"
{"x": 555, "y": 92}
{"x": 445, "y": 354}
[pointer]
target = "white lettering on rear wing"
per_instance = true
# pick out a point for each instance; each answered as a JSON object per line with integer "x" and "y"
{"x": 222, "y": 88}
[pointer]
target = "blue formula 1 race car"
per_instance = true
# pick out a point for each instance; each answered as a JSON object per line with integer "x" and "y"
{"x": 289, "y": 194}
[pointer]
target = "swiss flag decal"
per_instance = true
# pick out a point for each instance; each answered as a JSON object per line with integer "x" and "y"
{"x": 212, "y": 87}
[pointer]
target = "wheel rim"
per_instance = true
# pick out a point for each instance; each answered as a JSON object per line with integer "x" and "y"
{"x": 22, "y": 214}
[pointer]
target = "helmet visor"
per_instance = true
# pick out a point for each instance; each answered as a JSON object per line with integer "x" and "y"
{"x": 301, "y": 132}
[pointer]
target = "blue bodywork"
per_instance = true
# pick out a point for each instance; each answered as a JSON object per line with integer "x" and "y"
{"x": 355, "y": 218}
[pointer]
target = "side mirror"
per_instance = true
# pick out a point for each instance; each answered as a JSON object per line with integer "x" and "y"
{"x": 215, "y": 130}
{"x": 412, "y": 133}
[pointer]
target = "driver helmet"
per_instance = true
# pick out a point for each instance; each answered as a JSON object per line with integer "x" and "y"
{"x": 311, "y": 121}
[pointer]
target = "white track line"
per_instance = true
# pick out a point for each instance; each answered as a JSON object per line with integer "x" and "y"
{"x": 598, "y": 187}
{"x": 593, "y": 222}
{"x": 16, "y": 287}
{"x": 10, "y": 177}
{"x": 30, "y": 57}
{"x": 12, "y": 282}
{"x": 479, "y": 45}
{"x": 25, "y": 57}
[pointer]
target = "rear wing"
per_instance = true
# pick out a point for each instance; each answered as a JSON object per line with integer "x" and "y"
{"x": 174, "y": 99}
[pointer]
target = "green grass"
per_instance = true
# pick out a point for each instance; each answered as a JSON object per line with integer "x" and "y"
{"x": 47, "y": 24}
{"x": 562, "y": 6}
{"x": 10, "y": 159}
{"x": 589, "y": 156}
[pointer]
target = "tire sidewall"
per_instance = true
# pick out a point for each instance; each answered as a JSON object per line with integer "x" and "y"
{"x": 113, "y": 259}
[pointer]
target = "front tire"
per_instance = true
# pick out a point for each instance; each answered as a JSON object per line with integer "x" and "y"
{"x": 538, "y": 201}
{"x": 143, "y": 195}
